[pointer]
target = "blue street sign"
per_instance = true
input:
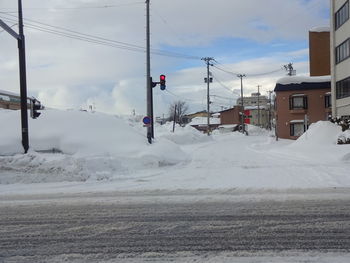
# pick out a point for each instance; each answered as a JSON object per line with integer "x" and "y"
{"x": 146, "y": 120}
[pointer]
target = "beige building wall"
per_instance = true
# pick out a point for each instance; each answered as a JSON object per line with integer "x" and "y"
{"x": 340, "y": 71}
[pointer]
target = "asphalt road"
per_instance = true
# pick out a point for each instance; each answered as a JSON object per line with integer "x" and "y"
{"x": 102, "y": 231}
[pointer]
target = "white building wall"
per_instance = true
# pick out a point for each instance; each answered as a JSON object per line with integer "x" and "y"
{"x": 339, "y": 71}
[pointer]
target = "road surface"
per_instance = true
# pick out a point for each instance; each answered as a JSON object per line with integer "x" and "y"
{"x": 101, "y": 231}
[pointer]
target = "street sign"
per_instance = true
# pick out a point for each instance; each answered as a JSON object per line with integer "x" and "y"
{"x": 146, "y": 121}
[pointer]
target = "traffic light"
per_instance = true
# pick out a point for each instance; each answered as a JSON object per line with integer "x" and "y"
{"x": 162, "y": 82}
{"x": 35, "y": 106}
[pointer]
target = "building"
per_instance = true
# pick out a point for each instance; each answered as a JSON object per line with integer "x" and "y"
{"x": 11, "y": 101}
{"x": 257, "y": 116}
{"x": 230, "y": 116}
{"x": 201, "y": 123}
{"x": 299, "y": 102}
{"x": 188, "y": 117}
{"x": 319, "y": 55}
{"x": 340, "y": 58}
{"x": 253, "y": 100}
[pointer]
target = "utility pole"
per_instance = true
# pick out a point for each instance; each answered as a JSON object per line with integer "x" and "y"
{"x": 270, "y": 110}
{"x": 150, "y": 131}
{"x": 208, "y": 80}
{"x": 241, "y": 76}
{"x": 174, "y": 117}
{"x": 290, "y": 69}
{"x": 259, "y": 105}
{"x": 22, "y": 73}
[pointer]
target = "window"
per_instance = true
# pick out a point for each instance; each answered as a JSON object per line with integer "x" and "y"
{"x": 342, "y": 51}
{"x": 342, "y": 15}
{"x": 343, "y": 88}
{"x": 327, "y": 101}
{"x": 297, "y": 128}
{"x": 298, "y": 102}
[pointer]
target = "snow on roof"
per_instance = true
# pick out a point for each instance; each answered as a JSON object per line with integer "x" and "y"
{"x": 302, "y": 79}
{"x": 254, "y": 107}
{"x": 320, "y": 29}
{"x": 299, "y": 95}
{"x": 8, "y": 93}
{"x": 204, "y": 120}
{"x": 296, "y": 121}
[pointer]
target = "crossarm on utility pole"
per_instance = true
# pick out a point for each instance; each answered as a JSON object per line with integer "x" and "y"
{"x": 9, "y": 30}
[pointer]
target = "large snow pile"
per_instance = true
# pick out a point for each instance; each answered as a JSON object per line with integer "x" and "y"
{"x": 320, "y": 141}
{"x": 71, "y": 132}
{"x": 89, "y": 145}
{"x": 182, "y": 135}
{"x": 255, "y": 130}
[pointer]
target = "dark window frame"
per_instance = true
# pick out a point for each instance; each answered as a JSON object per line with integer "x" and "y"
{"x": 291, "y": 102}
{"x": 343, "y": 88}
{"x": 292, "y": 128}
{"x": 339, "y": 20}
{"x": 338, "y": 51}
{"x": 327, "y": 101}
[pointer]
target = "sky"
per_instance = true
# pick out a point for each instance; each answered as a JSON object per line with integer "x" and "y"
{"x": 67, "y": 70}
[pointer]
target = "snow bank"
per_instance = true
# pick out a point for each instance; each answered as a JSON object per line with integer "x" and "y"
{"x": 320, "y": 133}
{"x": 90, "y": 145}
{"x": 71, "y": 132}
{"x": 255, "y": 130}
{"x": 320, "y": 141}
{"x": 182, "y": 135}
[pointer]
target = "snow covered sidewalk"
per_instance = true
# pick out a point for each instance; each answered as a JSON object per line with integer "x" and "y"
{"x": 105, "y": 153}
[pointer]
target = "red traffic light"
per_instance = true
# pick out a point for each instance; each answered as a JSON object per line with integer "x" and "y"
{"x": 162, "y": 82}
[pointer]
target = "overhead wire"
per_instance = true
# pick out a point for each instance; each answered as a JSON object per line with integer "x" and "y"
{"x": 73, "y": 8}
{"x": 43, "y": 27}
{"x": 175, "y": 95}
{"x": 224, "y": 86}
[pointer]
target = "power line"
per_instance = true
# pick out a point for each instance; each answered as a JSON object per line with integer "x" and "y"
{"x": 64, "y": 32}
{"x": 226, "y": 71}
{"x": 248, "y": 75}
{"x": 220, "y": 97}
{"x": 73, "y": 8}
{"x": 175, "y": 95}
{"x": 224, "y": 86}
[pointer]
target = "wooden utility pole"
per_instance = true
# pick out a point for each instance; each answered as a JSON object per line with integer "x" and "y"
{"x": 208, "y": 80}
{"x": 259, "y": 105}
{"x": 241, "y": 76}
{"x": 174, "y": 118}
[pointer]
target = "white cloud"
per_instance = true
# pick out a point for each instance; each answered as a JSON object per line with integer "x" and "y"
{"x": 68, "y": 73}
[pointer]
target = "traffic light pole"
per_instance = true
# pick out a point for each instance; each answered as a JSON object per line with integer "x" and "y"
{"x": 22, "y": 74}
{"x": 150, "y": 134}
{"x": 23, "y": 80}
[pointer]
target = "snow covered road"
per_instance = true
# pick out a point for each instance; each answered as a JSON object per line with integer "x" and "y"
{"x": 78, "y": 230}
